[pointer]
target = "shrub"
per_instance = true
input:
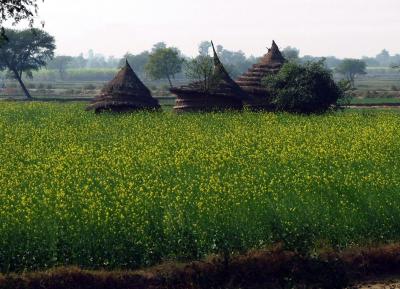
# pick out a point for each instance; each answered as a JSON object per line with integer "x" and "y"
{"x": 89, "y": 87}
{"x": 303, "y": 88}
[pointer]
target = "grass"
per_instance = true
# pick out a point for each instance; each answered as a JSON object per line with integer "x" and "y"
{"x": 376, "y": 100}
{"x": 125, "y": 191}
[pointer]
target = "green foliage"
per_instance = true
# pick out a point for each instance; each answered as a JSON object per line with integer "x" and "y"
{"x": 350, "y": 68}
{"x": 76, "y": 75}
{"x": 25, "y": 51}
{"x": 121, "y": 191}
{"x": 347, "y": 93}
{"x": 60, "y": 63}
{"x": 204, "y": 48}
{"x": 307, "y": 88}
{"x": 17, "y": 10}
{"x": 235, "y": 62}
{"x": 291, "y": 53}
{"x": 164, "y": 63}
{"x": 200, "y": 69}
{"x": 138, "y": 62}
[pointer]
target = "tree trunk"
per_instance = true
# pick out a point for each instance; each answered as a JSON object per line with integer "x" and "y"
{"x": 169, "y": 80}
{"x": 352, "y": 80}
{"x": 21, "y": 83}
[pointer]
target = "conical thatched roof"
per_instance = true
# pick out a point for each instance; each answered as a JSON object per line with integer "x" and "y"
{"x": 125, "y": 92}
{"x": 223, "y": 92}
{"x": 223, "y": 83}
{"x": 269, "y": 63}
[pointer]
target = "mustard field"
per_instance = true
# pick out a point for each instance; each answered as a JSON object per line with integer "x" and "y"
{"x": 125, "y": 191}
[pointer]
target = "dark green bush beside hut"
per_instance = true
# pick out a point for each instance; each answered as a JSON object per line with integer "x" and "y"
{"x": 303, "y": 88}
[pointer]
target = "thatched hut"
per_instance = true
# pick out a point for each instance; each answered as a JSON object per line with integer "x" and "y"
{"x": 222, "y": 93}
{"x": 250, "y": 82}
{"x": 124, "y": 93}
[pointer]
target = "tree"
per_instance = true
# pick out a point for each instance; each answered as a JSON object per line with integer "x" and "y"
{"x": 164, "y": 63}
{"x": 291, "y": 53}
{"x": 350, "y": 68}
{"x": 204, "y": 47}
{"x": 25, "y": 51}
{"x": 383, "y": 58}
{"x": 200, "y": 69}
{"x": 17, "y": 10}
{"x": 370, "y": 61}
{"x": 60, "y": 63}
{"x": 303, "y": 88}
{"x": 138, "y": 61}
{"x": 158, "y": 45}
{"x": 235, "y": 62}
{"x": 78, "y": 62}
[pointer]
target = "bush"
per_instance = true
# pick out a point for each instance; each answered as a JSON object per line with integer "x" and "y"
{"x": 303, "y": 88}
{"x": 89, "y": 87}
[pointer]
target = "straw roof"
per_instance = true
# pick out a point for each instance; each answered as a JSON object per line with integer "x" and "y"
{"x": 126, "y": 92}
{"x": 223, "y": 93}
{"x": 270, "y": 63}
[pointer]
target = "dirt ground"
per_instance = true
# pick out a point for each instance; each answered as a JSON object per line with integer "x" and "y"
{"x": 386, "y": 283}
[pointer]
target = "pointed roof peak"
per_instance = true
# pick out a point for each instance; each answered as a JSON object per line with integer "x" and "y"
{"x": 217, "y": 61}
{"x": 125, "y": 78}
{"x": 213, "y": 47}
{"x": 128, "y": 67}
{"x": 273, "y": 57}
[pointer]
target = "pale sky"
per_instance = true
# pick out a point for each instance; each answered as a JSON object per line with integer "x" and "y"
{"x": 344, "y": 28}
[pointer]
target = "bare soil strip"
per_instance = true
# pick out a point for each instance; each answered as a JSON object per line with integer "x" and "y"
{"x": 383, "y": 283}
{"x": 275, "y": 268}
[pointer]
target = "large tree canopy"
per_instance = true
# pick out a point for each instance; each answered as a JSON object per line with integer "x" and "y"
{"x": 164, "y": 63}
{"x": 25, "y": 51}
{"x": 350, "y": 68}
{"x": 17, "y": 10}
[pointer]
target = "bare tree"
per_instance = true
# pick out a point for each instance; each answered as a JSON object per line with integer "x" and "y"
{"x": 200, "y": 70}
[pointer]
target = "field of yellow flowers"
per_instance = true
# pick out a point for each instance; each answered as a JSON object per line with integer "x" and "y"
{"x": 123, "y": 191}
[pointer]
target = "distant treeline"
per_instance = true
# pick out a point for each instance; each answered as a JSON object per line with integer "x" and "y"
{"x": 97, "y": 67}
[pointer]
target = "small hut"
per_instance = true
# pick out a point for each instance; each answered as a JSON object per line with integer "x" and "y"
{"x": 222, "y": 94}
{"x": 250, "y": 82}
{"x": 124, "y": 93}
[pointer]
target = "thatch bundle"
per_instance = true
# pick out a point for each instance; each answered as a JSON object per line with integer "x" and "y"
{"x": 251, "y": 81}
{"x": 124, "y": 93}
{"x": 222, "y": 94}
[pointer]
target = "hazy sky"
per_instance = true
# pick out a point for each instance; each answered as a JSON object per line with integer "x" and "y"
{"x": 345, "y": 28}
